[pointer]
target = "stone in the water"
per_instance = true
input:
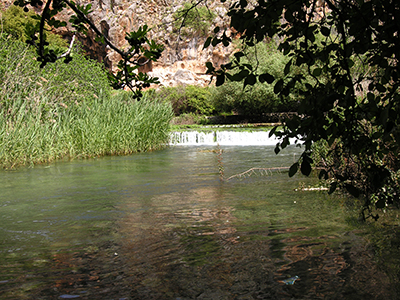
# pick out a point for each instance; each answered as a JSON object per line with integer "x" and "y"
{"x": 69, "y": 296}
{"x": 291, "y": 280}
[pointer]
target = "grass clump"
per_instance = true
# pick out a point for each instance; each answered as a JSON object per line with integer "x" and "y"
{"x": 69, "y": 110}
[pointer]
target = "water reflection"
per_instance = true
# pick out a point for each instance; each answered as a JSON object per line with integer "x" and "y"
{"x": 163, "y": 226}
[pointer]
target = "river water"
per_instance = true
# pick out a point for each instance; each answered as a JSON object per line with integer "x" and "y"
{"x": 163, "y": 225}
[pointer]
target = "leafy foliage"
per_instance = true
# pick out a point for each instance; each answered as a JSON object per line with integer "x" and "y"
{"x": 193, "y": 20}
{"x": 132, "y": 58}
{"x": 187, "y": 99}
{"x": 69, "y": 111}
{"x": 62, "y": 85}
{"x": 16, "y": 22}
{"x": 352, "y": 104}
{"x": 258, "y": 98}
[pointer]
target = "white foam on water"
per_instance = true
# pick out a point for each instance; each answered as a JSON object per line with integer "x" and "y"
{"x": 223, "y": 138}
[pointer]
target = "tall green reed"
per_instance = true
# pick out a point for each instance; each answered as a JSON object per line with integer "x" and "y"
{"x": 110, "y": 126}
{"x": 82, "y": 80}
{"x": 68, "y": 111}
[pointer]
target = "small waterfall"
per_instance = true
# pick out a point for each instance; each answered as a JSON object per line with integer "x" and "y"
{"x": 223, "y": 138}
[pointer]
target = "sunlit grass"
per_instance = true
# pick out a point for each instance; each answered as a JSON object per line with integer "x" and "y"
{"x": 68, "y": 111}
{"x": 109, "y": 126}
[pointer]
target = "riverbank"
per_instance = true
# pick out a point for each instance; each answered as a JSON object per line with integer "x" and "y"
{"x": 109, "y": 126}
{"x": 69, "y": 111}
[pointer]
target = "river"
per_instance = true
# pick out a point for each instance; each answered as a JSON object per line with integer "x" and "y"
{"x": 163, "y": 225}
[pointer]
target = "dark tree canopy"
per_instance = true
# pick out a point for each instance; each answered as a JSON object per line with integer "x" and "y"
{"x": 350, "y": 49}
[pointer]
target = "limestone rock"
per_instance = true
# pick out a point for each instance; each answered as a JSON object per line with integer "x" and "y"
{"x": 183, "y": 60}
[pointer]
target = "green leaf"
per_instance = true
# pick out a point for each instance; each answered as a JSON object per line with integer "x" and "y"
{"x": 215, "y": 41}
{"x": 271, "y": 133}
{"x": 370, "y": 97}
{"x": 380, "y": 203}
{"x": 243, "y": 73}
{"x": 317, "y": 72}
{"x": 207, "y": 42}
{"x": 325, "y": 31}
{"x": 287, "y": 67}
{"x": 220, "y": 79}
{"x": 355, "y": 192}
{"x": 250, "y": 80}
{"x": 305, "y": 167}
{"x": 210, "y": 67}
{"x": 238, "y": 55}
{"x": 278, "y": 86}
{"x": 285, "y": 142}
{"x": 323, "y": 174}
{"x": 332, "y": 187}
{"x": 248, "y": 66}
{"x": 266, "y": 77}
{"x": 293, "y": 169}
{"x": 277, "y": 149}
{"x": 380, "y": 88}
{"x": 235, "y": 77}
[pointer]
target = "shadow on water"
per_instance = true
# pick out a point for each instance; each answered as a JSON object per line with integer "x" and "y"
{"x": 162, "y": 225}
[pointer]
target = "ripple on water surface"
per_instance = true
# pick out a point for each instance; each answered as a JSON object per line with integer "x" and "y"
{"x": 162, "y": 225}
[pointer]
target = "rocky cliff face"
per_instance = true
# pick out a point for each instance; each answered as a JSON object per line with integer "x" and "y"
{"x": 183, "y": 60}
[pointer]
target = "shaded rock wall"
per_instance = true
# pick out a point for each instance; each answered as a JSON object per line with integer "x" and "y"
{"x": 183, "y": 60}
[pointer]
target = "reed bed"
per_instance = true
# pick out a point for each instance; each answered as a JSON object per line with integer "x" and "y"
{"x": 69, "y": 111}
{"x": 108, "y": 127}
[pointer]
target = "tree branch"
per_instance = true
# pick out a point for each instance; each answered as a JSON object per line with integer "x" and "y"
{"x": 95, "y": 29}
{"x": 71, "y": 44}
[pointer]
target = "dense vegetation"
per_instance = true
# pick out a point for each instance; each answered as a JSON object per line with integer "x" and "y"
{"x": 16, "y": 23}
{"x": 193, "y": 21}
{"x": 231, "y": 98}
{"x": 69, "y": 111}
{"x": 340, "y": 73}
{"x": 352, "y": 102}
{"x": 140, "y": 51}
{"x": 260, "y": 97}
{"x": 187, "y": 99}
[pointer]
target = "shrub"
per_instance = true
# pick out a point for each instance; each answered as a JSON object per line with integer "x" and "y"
{"x": 16, "y": 22}
{"x": 81, "y": 80}
{"x": 197, "y": 21}
{"x": 259, "y": 98}
{"x": 187, "y": 99}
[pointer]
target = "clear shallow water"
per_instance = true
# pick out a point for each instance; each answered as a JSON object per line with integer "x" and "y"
{"x": 162, "y": 225}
